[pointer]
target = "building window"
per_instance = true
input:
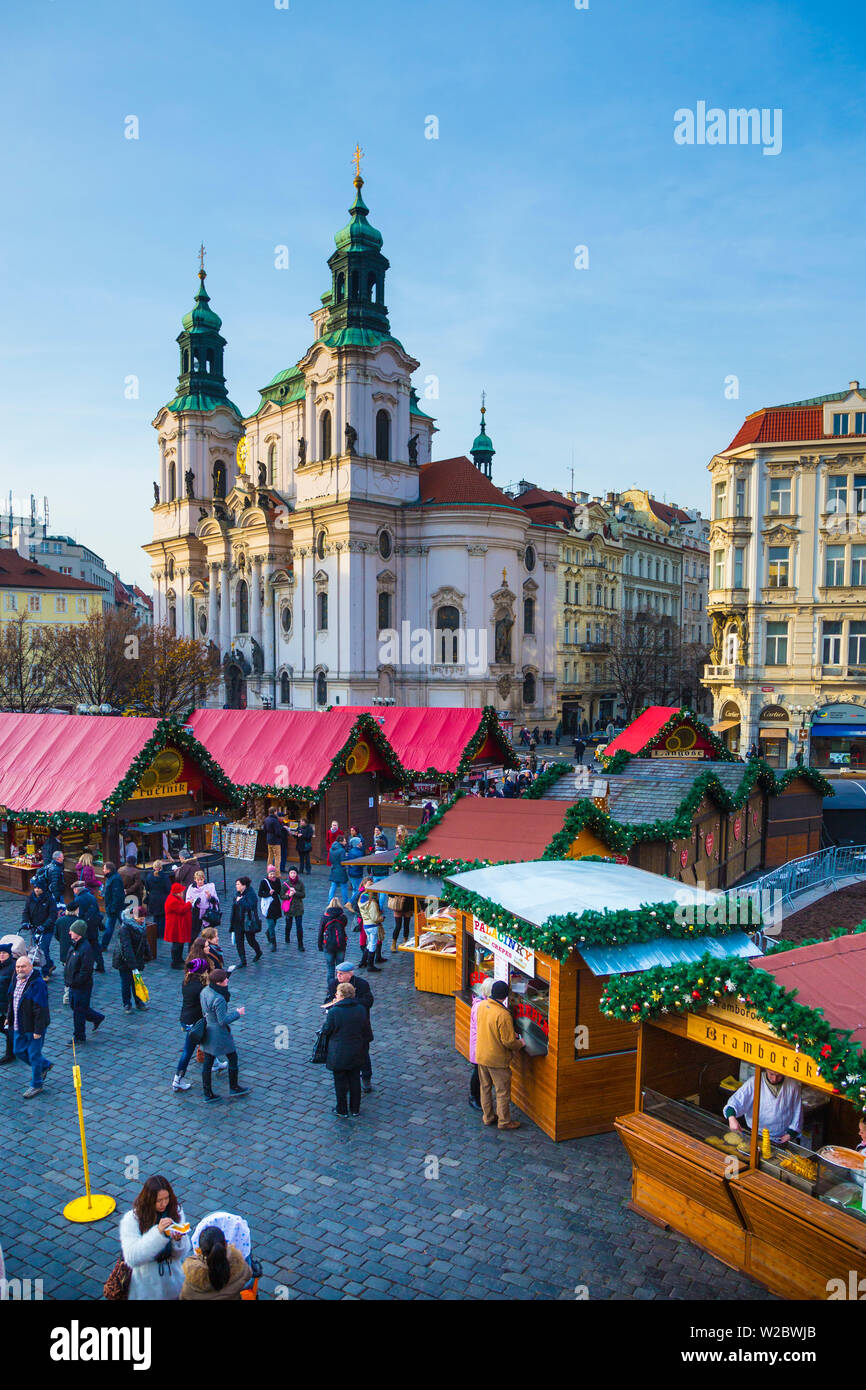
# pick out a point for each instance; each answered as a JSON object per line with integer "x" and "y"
{"x": 272, "y": 464}
{"x": 831, "y": 643}
{"x": 321, "y": 689}
{"x": 10, "y": 603}
{"x": 834, "y": 566}
{"x": 718, "y": 569}
{"x": 34, "y": 603}
{"x": 202, "y": 622}
{"x": 322, "y": 612}
{"x": 529, "y": 617}
{"x": 779, "y": 575}
{"x": 780, "y": 495}
{"x": 858, "y": 565}
{"x": 325, "y": 434}
{"x": 860, "y": 492}
{"x": 740, "y": 497}
{"x": 447, "y": 627}
{"x": 81, "y": 605}
{"x": 60, "y": 603}
{"x": 286, "y": 620}
{"x": 719, "y": 500}
{"x": 384, "y": 615}
{"x": 837, "y": 494}
{"x": 529, "y": 557}
{"x": 529, "y": 688}
{"x": 777, "y": 644}
{"x": 172, "y": 482}
{"x": 285, "y": 689}
{"x": 320, "y": 545}
{"x": 860, "y": 422}
{"x": 172, "y": 617}
{"x": 857, "y": 644}
{"x": 383, "y": 435}
{"x": 385, "y": 545}
{"x": 567, "y": 633}
{"x": 840, "y": 424}
{"x": 242, "y": 606}
{"x": 568, "y": 591}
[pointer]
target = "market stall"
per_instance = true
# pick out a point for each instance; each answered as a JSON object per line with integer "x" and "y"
{"x": 777, "y": 1043}
{"x": 555, "y": 930}
{"x": 433, "y": 942}
{"x": 91, "y": 779}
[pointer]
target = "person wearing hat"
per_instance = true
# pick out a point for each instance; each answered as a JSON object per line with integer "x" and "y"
{"x": 7, "y": 984}
{"x": 130, "y": 953}
{"x": 495, "y": 1043}
{"x": 364, "y": 995}
{"x": 40, "y": 914}
{"x": 130, "y": 876}
{"x": 88, "y": 909}
{"x": 78, "y": 978}
{"x": 187, "y": 868}
{"x": 348, "y": 1032}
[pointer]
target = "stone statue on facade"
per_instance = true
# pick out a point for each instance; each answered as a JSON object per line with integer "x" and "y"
{"x": 156, "y": 493}
{"x": 263, "y": 475}
{"x": 502, "y": 643}
{"x": 302, "y": 451}
{"x": 258, "y": 657}
{"x": 351, "y": 439}
{"x": 413, "y": 448}
{"x": 189, "y": 483}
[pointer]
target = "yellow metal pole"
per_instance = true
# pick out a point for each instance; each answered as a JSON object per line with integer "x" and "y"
{"x": 91, "y": 1207}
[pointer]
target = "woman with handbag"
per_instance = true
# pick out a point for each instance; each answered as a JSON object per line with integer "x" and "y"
{"x": 244, "y": 921}
{"x": 348, "y": 1033}
{"x": 203, "y": 900}
{"x": 218, "y": 1040}
{"x": 130, "y": 955}
{"x": 153, "y": 1247}
{"x": 371, "y": 917}
{"x": 271, "y": 903}
{"x": 191, "y": 1018}
{"x": 294, "y": 893}
{"x": 401, "y": 906}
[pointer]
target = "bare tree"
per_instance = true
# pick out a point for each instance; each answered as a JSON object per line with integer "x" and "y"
{"x": 97, "y": 660}
{"x": 171, "y": 674}
{"x": 29, "y": 676}
{"x": 644, "y": 656}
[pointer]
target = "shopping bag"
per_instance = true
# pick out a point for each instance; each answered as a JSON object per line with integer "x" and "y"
{"x": 320, "y": 1046}
{"x": 141, "y": 990}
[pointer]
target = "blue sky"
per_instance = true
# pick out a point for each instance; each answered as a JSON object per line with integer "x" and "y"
{"x": 555, "y": 130}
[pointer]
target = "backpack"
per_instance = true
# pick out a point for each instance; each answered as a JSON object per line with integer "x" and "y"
{"x": 331, "y": 936}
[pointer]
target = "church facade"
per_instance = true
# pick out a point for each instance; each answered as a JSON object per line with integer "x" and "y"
{"x": 318, "y": 545}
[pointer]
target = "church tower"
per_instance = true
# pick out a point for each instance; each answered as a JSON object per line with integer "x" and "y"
{"x": 482, "y": 450}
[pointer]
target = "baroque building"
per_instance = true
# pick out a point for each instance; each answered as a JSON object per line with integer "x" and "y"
{"x": 788, "y": 582}
{"x": 318, "y": 545}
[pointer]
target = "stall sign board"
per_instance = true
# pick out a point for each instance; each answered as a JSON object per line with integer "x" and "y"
{"x": 730, "y": 1010}
{"x": 160, "y": 790}
{"x": 503, "y": 945}
{"x": 749, "y": 1047}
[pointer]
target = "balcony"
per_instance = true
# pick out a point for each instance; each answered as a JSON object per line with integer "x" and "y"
{"x": 594, "y": 647}
{"x": 839, "y": 675}
{"x": 729, "y": 675}
{"x": 727, "y": 598}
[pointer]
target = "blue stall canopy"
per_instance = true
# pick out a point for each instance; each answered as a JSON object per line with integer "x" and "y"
{"x": 624, "y": 960}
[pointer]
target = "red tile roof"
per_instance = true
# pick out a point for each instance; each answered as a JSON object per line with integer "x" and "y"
{"x": 492, "y": 828}
{"x": 546, "y": 508}
{"x": 775, "y": 426}
{"x": 18, "y": 573}
{"x": 457, "y": 481}
{"x": 831, "y": 976}
{"x": 669, "y": 514}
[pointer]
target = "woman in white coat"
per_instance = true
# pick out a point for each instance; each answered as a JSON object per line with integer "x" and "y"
{"x": 151, "y": 1247}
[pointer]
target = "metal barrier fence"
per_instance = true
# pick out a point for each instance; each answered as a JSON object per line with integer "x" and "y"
{"x": 801, "y": 876}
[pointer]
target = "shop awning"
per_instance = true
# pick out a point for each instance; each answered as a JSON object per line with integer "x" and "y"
{"x": 383, "y": 858}
{"x": 428, "y": 739}
{"x": 725, "y": 724}
{"x": 413, "y": 885}
{"x": 624, "y": 960}
{"x": 153, "y": 827}
{"x": 839, "y": 730}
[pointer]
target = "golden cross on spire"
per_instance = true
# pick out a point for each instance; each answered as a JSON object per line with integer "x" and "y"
{"x": 483, "y": 403}
{"x": 357, "y": 156}
{"x": 201, "y": 269}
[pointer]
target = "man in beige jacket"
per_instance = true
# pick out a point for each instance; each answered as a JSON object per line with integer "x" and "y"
{"x": 495, "y": 1041}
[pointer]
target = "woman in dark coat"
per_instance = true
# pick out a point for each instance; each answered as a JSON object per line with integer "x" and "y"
{"x": 271, "y": 890}
{"x": 218, "y": 1040}
{"x": 294, "y": 885}
{"x": 194, "y": 981}
{"x": 244, "y": 922}
{"x": 349, "y": 1035}
{"x": 157, "y": 882}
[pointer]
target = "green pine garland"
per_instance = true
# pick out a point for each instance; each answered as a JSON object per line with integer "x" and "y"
{"x": 544, "y": 781}
{"x": 689, "y": 988}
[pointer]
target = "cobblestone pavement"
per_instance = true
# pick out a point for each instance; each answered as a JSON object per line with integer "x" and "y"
{"x": 414, "y": 1200}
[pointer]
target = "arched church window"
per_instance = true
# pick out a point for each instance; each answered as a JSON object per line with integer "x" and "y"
{"x": 321, "y": 689}
{"x": 172, "y": 617}
{"x": 371, "y": 287}
{"x": 172, "y": 482}
{"x": 272, "y": 464}
{"x": 185, "y": 360}
{"x": 341, "y": 287}
{"x": 242, "y": 604}
{"x": 383, "y": 435}
{"x": 529, "y": 616}
{"x": 529, "y": 688}
{"x": 208, "y": 361}
{"x": 195, "y": 362}
{"x": 285, "y": 689}
{"x": 322, "y": 612}
{"x": 447, "y": 627}
{"x": 384, "y": 614}
{"x": 219, "y": 480}
{"x": 325, "y": 434}
{"x": 320, "y": 545}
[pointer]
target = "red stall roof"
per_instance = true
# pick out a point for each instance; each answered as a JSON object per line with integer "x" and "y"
{"x": 273, "y": 748}
{"x": 480, "y": 827}
{"x": 425, "y": 738}
{"x": 66, "y": 762}
{"x": 635, "y": 737}
{"x": 830, "y": 975}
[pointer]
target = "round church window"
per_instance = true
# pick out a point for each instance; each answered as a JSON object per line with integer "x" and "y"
{"x": 202, "y": 622}
{"x": 385, "y": 545}
{"x": 529, "y": 557}
{"x": 286, "y": 621}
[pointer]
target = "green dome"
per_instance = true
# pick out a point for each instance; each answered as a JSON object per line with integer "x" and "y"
{"x": 482, "y": 444}
{"x": 358, "y": 235}
{"x": 200, "y": 316}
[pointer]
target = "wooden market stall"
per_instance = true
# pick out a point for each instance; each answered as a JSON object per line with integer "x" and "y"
{"x": 91, "y": 779}
{"x": 436, "y": 748}
{"x": 434, "y": 969}
{"x": 555, "y": 930}
{"x": 490, "y": 830}
{"x": 789, "y": 1212}
{"x": 328, "y": 766}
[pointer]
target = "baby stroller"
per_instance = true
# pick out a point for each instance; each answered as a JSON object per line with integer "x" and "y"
{"x": 237, "y": 1232}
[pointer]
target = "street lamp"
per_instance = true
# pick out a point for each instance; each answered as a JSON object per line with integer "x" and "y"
{"x": 804, "y": 712}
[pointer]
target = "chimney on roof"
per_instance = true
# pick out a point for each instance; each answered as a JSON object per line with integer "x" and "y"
{"x": 524, "y": 486}
{"x": 854, "y": 385}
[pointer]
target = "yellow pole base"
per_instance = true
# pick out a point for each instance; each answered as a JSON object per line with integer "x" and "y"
{"x": 92, "y": 1208}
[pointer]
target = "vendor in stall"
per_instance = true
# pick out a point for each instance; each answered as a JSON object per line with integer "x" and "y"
{"x": 780, "y": 1108}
